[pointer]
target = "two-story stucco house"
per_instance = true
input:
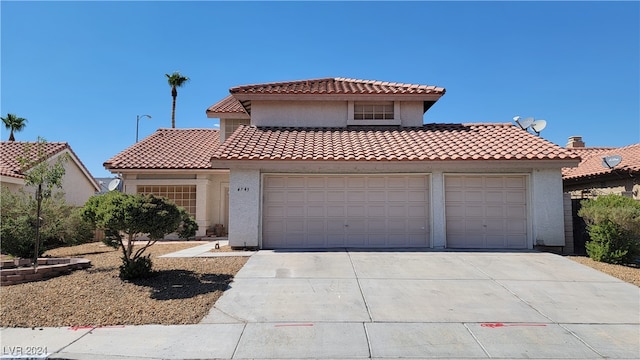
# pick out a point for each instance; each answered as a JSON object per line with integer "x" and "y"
{"x": 77, "y": 184}
{"x": 338, "y": 162}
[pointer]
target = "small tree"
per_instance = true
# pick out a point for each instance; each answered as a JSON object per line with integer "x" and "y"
{"x": 125, "y": 217}
{"x": 44, "y": 176}
{"x": 613, "y": 222}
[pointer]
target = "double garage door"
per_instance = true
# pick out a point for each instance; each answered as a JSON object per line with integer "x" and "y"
{"x": 325, "y": 211}
{"x": 387, "y": 211}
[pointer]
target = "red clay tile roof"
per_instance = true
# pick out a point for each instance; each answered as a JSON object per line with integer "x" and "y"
{"x": 169, "y": 149}
{"x": 336, "y": 86}
{"x": 591, "y": 164}
{"x": 430, "y": 142}
{"x": 228, "y": 105}
{"x": 584, "y": 152}
{"x": 10, "y": 151}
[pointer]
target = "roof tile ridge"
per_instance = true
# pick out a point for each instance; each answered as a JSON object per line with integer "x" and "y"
{"x": 280, "y": 83}
{"x": 387, "y": 83}
{"x": 187, "y": 129}
{"x": 488, "y": 124}
{"x": 627, "y": 146}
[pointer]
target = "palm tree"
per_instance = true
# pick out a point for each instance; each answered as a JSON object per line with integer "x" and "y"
{"x": 175, "y": 81}
{"x": 14, "y": 123}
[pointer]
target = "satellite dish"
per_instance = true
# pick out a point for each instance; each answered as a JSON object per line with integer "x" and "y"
{"x": 113, "y": 184}
{"x": 538, "y": 126}
{"x": 611, "y": 161}
{"x": 526, "y": 122}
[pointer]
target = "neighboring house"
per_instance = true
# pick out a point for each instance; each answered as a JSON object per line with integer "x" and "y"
{"x": 338, "y": 162}
{"x": 77, "y": 184}
{"x": 592, "y": 178}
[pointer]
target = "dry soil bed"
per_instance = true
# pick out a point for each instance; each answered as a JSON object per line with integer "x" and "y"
{"x": 628, "y": 273}
{"x": 182, "y": 291}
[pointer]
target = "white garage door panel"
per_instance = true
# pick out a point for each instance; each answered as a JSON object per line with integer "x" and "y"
{"x": 486, "y": 211}
{"x": 317, "y": 211}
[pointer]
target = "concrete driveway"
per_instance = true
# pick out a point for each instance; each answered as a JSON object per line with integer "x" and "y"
{"x": 374, "y": 304}
{"x": 340, "y": 304}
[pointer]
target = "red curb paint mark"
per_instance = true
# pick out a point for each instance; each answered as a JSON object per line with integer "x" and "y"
{"x": 283, "y": 325}
{"x": 85, "y": 327}
{"x": 497, "y": 325}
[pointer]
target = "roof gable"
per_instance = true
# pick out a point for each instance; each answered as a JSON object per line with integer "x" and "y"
{"x": 591, "y": 164}
{"x": 169, "y": 149}
{"x": 431, "y": 142}
{"x": 228, "y": 107}
{"x": 11, "y": 151}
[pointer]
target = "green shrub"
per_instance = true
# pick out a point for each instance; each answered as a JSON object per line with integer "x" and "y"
{"x": 138, "y": 268}
{"x": 613, "y": 222}
{"x": 61, "y": 225}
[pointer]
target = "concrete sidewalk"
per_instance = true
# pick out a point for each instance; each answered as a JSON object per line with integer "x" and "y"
{"x": 360, "y": 304}
{"x": 204, "y": 250}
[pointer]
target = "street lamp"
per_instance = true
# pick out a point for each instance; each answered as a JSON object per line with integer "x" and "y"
{"x": 138, "y": 123}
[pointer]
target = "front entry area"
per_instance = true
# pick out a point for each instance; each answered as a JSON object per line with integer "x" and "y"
{"x": 486, "y": 211}
{"x": 359, "y": 211}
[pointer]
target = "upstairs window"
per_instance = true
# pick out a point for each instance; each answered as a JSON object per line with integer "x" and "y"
{"x": 373, "y": 111}
{"x": 365, "y": 113}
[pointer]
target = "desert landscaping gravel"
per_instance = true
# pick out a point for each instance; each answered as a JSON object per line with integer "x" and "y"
{"x": 182, "y": 291}
{"x": 628, "y": 273}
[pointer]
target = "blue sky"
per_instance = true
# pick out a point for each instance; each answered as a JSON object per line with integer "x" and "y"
{"x": 80, "y": 72}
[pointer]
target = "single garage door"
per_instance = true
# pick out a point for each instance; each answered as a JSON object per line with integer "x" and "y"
{"x": 324, "y": 211}
{"x": 488, "y": 212}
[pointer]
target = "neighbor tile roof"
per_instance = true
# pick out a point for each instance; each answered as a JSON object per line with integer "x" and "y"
{"x": 591, "y": 164}
{"x": 336, "y": 86}
{"x": 430, "y": 142}
{"x": 11, "y": 151}
{"x": 228, "y": 105}
{"x": 169, "y": 149}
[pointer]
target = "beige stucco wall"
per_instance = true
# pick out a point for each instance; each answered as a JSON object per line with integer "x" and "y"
{"x": 77, "y": 188}
{"x": 209, "y": 198}
{"x": 548, "y": 207}
{"x": 411, "y": 113}
{"x": 75, "y": 184}
{"x": 7, "y": 184}
{"x": 299, "y": 113}
{"x": 244, "y": 212}
{"x": 546, "y": 211}
{"x": 332, "y": 113}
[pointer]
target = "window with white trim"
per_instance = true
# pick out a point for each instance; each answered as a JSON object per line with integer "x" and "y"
{"x": 373, "y": 113}
{"x": 373, "y": 110}
{"x": 182, "y": 195}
